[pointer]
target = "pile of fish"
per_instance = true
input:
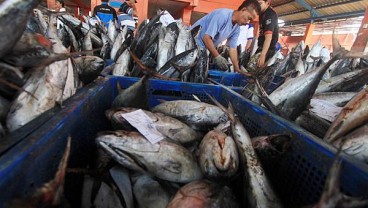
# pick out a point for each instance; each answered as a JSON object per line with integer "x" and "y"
{"x": 42, "y": 65}
{"x": 325, "y": 95}
{"x": 166, "y": 48}
{"x": 205, "y": 152}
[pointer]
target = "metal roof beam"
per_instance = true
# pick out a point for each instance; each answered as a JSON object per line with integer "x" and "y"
{"x": 313, "y": 12}
{"x": 337, "y": 3}
{"x": 327, "y": 17}
{"x": 282, "y": 4}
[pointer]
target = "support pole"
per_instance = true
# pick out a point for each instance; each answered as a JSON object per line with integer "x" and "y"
{"x": 361, "y": 41}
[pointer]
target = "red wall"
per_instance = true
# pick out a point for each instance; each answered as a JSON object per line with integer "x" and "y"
{"x": 346, "y": 40}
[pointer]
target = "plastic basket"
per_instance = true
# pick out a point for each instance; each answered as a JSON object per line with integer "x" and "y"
{"x": 228, "y": 78}
{"x": 32, "y": 162}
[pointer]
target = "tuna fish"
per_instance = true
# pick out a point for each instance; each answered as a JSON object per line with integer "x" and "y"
{"x": 53, "y": 84}
{"x": 259, "y": 190}
{"x": 354, "y": 114}
{"x": 134, "y": 96}
{"x": 336, "y": 98}
{"x": 165, "y": 160}
{"x": 203, "y": 194}
{"x": 168, "y": 126}
{"x": 343, "y": 81}
{"x": 88, "y": 67}
{"x": 355, "y": 143}
{"x": 149, "y": 193}
{"x": 195, "y": 114}
{"x": 218, "y": 156}
{"x": 16, "y": 12}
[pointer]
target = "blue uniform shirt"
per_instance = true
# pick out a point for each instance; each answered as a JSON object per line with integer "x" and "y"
{"x": 218, "y": 24}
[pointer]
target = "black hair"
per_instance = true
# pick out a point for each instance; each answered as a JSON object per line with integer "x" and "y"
{"x": 253, "y": 3}
{"x": 61, "y": 2}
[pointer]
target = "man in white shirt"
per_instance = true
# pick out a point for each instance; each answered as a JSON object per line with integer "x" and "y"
{"x": 246, "y": 36}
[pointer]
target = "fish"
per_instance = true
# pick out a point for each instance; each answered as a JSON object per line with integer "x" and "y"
{"x": 11, "y": 75}
{"x": 294, "y": 95}
{"x": 149, "y": 193}
{"x": 325, "y": 55}
{"x": 324, "y": 109}
{"x": 203, "y": 193}
{"x": 342, "y": 66}
{"x": 122, "y": 65}
{"x": 200, "y": 70}
{"x": 354, "y": 114}
{"x": 166, "y": 48}
{"x": 29, "y": 51}
{"x": 331, "y": 196}
{"x": 74, "y": 42}
{"x": 4, "y": 108}
{"x": 89, "y": 67}
{"x": 84, "y": 27}
{"x": 166, "y": 160}
{"x": 218, "y": 156}
{"x": 351, "y": 81}
{"x": 170, "y": 127}
{"x": 87, "y": 44}
{"x": 118, "y": 43}
{"x": 121, "y": 178}
{"x": 182, "y": 42}
{"x": 355, "y": 143}
{"x": 16, "y": 12}
{"x": 312, "y": 123}
{"x": 133, "y": 96}
{"x": 154, "y": 34}
{"x": 197, "y": 115}
{"x": 112, "y": 31}
{"x": 300, "y": 66}
{"x": 336, "y": 98}
{"x": 179, "y": 64}
{"x": 259, "y": 190}
{"x": 315, "y": 52}
{"x": 50, "y": 193}
{"x": 2, "y": 131}
{"x": 52, "y": 84}
{"x": 140, "y": 41}
{"x": 271, "y": 150}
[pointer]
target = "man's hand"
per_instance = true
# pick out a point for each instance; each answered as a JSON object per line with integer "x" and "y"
{"x": 221, "y": 62}
{"x": 261, "y": 60}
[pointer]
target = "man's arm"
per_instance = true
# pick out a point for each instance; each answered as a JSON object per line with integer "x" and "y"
{"x": 234, "y": 59}
{"x": 266, "y": 46}
{"x": 208, "y": 42}
{"x": 132, "y": 5}
{"x": 249, "y": 43}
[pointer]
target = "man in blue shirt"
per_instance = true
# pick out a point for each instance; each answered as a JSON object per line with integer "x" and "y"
{"x": 222, "y": 24}
{"x": 105, "y": 12}
{"x": 126, "y": 12}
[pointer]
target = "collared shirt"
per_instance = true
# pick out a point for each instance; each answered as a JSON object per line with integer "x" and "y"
{"x": 105, "y": 13}
{"x": 268, "y": 25}
{"x": 218, "y": 24}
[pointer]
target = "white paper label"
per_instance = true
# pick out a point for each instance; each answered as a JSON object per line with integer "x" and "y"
{"x": 166, "y": 19}
{"x": 144, "y": 125}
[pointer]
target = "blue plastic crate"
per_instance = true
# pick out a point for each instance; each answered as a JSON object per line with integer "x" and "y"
{"x": 32, "y": 162}
{"x": 228, "y": 78}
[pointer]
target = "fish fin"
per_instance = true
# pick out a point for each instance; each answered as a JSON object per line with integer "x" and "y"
{"x": 173, "y": 167}
{"x": 148, "y": 70}
{"x": 195, "y": 31}
{"x": 231, "y": 113}
{"x": 217, "y": 103}
{"x": 196, "y": 98}
{"x": 331, "y": 189}
{"x": 118, "y": 86}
